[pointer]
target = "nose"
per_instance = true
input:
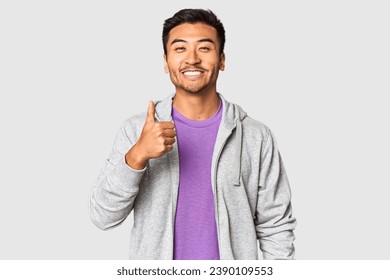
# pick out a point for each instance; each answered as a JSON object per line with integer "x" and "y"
{"x": 192, "y": 57}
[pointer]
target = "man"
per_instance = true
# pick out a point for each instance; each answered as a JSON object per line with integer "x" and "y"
{"x": 205, "y": 181}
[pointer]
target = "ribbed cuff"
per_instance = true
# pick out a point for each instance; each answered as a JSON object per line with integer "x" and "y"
{"x": 127, "y": 177}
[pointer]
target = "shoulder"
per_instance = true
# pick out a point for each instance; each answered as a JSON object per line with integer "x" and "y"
{"x": 134, "y": 121}
{"x": 132, "y": 126}
{"x": 255, "y": 128}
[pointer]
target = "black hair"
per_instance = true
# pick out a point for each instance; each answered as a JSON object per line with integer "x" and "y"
{"x": 194, "y": 16}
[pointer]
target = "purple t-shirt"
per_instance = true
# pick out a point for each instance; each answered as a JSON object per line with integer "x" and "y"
{"x": 195, "y": 226}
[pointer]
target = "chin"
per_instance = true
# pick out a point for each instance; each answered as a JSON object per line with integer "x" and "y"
{"x": 194, "y": 90}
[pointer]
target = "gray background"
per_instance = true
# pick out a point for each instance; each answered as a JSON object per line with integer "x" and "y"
{"x": 316, "y": 72}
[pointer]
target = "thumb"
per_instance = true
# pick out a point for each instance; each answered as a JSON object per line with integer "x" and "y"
{"x": 151, "y": 112}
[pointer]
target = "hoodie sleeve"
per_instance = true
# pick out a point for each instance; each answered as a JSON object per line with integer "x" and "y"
{"x": 274, "y": 221}
{"x": 113, "y": 194}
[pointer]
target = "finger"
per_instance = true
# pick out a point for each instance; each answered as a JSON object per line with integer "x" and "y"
{"x": 169, "y": 141}
{"x": 169, "y": 148}
{"x": 166, "y": 125}
{"x": 151, "y": 112}
{"x": 170, "y": 133}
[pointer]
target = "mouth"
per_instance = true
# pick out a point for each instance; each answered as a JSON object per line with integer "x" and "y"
{"x": 192, "y": 72}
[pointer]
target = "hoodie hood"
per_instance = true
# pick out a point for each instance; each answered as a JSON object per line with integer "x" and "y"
{"x": 232, "y": 113}
{"x": 232, "y": 117}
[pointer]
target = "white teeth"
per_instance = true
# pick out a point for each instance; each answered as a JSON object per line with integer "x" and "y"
{"x": 192, "y": 73}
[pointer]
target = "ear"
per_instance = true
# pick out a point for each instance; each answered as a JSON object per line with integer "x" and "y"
{"x": 166, "y": 68}
{"x": 222, "y": 63}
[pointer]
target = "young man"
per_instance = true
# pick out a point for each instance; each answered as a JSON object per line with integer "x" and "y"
{"x": 205, "y": 181}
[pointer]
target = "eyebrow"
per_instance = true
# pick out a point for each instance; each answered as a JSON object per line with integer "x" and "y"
{"x": 184, "y": 41}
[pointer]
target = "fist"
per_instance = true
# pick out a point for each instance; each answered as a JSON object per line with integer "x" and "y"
{"x": 156, "y": 139}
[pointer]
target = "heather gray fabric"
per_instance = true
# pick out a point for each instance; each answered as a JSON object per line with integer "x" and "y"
{"x": 250, "y": 186}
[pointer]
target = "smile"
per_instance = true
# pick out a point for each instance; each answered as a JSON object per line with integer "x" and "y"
{"x": 192, "y": 73}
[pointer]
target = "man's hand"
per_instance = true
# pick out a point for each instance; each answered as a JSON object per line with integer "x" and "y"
{"x": 156, "y": 140}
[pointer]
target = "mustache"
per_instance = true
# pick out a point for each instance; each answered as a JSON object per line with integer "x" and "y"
{"x": 191, "y": 68}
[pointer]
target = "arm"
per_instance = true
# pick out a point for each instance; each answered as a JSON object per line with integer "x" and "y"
{"x": 117, "y": 186}
{"x": 113, "y": 195}
{"x": 274, "y": 221}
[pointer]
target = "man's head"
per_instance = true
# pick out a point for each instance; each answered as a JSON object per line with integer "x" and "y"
{"x": 194, "y": 16}
{"x": 193, "y": 50}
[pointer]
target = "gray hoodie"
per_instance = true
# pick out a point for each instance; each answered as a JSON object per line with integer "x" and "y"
{"x": 251, "y": 191}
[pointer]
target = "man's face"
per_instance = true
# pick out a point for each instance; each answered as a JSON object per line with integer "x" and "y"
{"x": 193, "y": 60}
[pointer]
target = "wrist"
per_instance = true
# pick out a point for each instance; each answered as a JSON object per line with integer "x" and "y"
{"x": 135, "y": 159}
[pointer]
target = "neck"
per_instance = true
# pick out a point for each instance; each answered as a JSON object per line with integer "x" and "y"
{"x": 196, "y": 106}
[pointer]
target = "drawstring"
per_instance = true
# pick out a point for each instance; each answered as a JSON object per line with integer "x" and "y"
{"x": 237, "y": 161}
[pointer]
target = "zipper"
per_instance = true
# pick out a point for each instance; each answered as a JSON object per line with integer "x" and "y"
{"x": 174, "y": 185}
{"x": 215, "y": 193}
{"x": 170, "y": 159}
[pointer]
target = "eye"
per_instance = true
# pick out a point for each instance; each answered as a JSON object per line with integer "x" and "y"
{"x": 180, "y": 49}
{"x": 204, "y": 48}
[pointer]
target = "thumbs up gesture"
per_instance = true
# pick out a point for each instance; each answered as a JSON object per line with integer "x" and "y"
{"x": 156, "y": 139}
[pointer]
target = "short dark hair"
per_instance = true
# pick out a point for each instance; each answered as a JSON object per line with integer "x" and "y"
{"x": 194, "y": 16}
